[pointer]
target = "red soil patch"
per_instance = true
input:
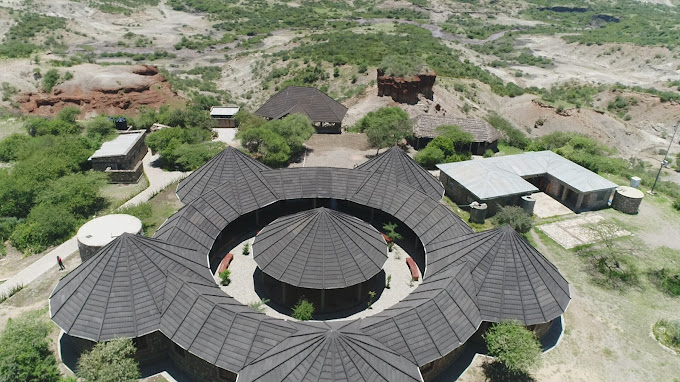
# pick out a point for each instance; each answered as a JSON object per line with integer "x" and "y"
{"x": 108, "y": 90}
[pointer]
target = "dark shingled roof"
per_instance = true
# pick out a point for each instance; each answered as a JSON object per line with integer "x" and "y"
{"x": 208, "y": 323}
{"x": 436, "y": 318}
{"x": 136, "y": 285}
{"x": 394, "y": 166}
{"x": 229, "y": 165}
{"x": 331, "y": 352}
{"x": 320, "y": 249}
{"x": 513, "y": 280}
{"x": 309, "y": 101}
{"x": 425, "y": 126}
{"x": 119, "y": 291}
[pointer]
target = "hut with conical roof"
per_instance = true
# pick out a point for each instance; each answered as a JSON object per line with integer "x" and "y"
{"x": 331, "y": 258}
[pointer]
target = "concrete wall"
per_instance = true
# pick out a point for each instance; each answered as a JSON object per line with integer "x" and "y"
{"x": 122, "y": 162}
{"x": 126, "y": 176}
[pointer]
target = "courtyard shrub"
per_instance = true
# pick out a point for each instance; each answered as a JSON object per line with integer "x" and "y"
{"x": 246, "y": 249}
{"x": 224, "y": 277}
{"x": 25, "y": 353}
{"x": 514, "y": 346}
{"x": 110, "y": 361}
{"x": 303, "y": 310}
{"x": 513, "y": 216}
{"x": 276, "y": 142}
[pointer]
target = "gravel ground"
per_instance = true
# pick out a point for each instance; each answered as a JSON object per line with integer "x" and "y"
{"x": 242, "y": 286}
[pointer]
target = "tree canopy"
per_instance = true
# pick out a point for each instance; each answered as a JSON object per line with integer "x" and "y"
{"x": 110, "y": 361}
{"x": 514, "y": 346}
{"x": 276, "y": 142}
{"x": 515, "y": 217}
{"x": 25, "y": 353}
{"x": 451, "y": 145}
{"x": 385, "y": 127}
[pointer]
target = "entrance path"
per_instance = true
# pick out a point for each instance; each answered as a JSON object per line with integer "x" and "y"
{"x": 158, "y": 180}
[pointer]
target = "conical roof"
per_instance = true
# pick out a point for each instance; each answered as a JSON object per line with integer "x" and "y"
{"x": 394, "y": 166}
{"x": 229, "y": 165}
{"x": 513, "y": 279}
{"x": 435, "y": 319}
{"x": 306, "y": 100}
{"x": 119, "y": 291}
{"x": 320, "y": 249}
{"x": 331, "y": 352}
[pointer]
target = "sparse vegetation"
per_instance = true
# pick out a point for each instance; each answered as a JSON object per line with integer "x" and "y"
{"x": 371, "y": 297}
{"x": 303, "y": 310}
{"x": 668, "y": 333}
{"x": 667, "y": 280}
{"x": 225, "y": 277}
{"x": 14, "y": 290}
{"x": 259, "y": 306}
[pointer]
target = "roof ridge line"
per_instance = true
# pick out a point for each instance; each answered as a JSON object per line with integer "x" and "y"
{"x": 106, "y": 308}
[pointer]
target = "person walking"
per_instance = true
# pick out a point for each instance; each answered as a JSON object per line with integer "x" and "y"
{"x": 61, "y": 264}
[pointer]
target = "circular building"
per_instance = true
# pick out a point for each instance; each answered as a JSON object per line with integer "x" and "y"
{"x": 330, "y": 258}
{"x": 97, "y": 233}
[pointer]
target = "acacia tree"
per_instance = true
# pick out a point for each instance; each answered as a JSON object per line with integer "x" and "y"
{"x": 110, "y": 361}
{"x": 385, "y": 127}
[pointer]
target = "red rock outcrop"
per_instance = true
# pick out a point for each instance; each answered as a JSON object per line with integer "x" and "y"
{"x": 406, "y": 89}
{"x": 112, "y": 91}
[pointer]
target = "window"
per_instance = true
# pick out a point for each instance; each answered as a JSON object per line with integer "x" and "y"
{"x": 179, "y": 350}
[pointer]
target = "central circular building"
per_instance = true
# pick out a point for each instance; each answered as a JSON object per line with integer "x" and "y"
{"x": 330, "y": 258}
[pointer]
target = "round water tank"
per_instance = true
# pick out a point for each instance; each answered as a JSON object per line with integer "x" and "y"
{"x": 527, "y": 202}
{"x": 96, "y": 233}
{"x": 478, "y": 213}
{"x": 627, "y": 200}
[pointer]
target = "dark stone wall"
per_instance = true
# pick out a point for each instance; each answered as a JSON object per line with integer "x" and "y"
{"x": 126, "y": 176}
{"x": 406, "y": 89}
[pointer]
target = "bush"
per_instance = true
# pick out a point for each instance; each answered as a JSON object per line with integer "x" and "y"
{"x": 676, "y": 204}
{"x": 511, "y": 135}
{"x": 668, "y": 333}
{"x": 303, "y": 310}
{"x": 246, "y": 249}
{"x": 100, "y": 128}
{"x": 11, "y": 146}
{"x": 488, "y": 154}
{"x": 667, "y": 281}
{"x": 515, "y": 217}
{"x": 45, "y": 225}
{"x": 224, "y": 277}
{"x": 514, "y": 346}
{"x": 189, "y": 157}
{"x": 385, "y": 116}
{"x": 429, "y": 157}
{"x": 183, "y": 148}
{"x": 49, "y": 80}
{"x": 110, "y": 361}
{"x": 25, "y": 353}
{"x": 276, "y": 142}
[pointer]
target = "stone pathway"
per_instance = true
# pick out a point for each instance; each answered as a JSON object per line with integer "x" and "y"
{"x": 574, "y": 232}
{"x": 158, "y": 180}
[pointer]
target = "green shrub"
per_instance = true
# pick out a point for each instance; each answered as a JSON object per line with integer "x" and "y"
{"x": 668, "y": 333}
{"x": 452, "y": 145}
{"x": 276, "y": 142}
{"x": 389, "y": 116}
{"x": 511, "y": 135}
{"x": 488, "y": 153}
{"x": 25, "y": 353}
{"x": 11, "y": 146}
{"x": 676, "y": 204}
{"x": 303, "y": 310}
{"x": 246, "y": 249}
{"x": 189, "y": 157}
{"x": 513, "y": 345}
{"x": 45, "y": 225}
{"x": 49, "y": 80}
{"x": 667, "y": 281}
{"x": 513, "y": 216}
{"x": 224, "y": 277}
{"x": 100, "y": 128}
{"x": 429, "y": 157}
{"x": 110, "y": 361}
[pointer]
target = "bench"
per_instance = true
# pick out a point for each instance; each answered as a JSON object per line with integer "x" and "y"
{"x": 415, "y": 274}
{"x": 387, "y": 238}
{"x": 224, "y": 264}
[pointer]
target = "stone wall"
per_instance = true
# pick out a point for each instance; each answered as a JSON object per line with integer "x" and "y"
{"x": 625, "y": 204}
{"x": 432, "y": 370}
{"x": 123, "y": 162}
{"x": 406, "y": 89}
{"x": 126, "y": 176}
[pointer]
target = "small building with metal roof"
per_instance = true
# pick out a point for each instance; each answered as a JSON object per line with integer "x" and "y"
{"x": 502, "y": 181}
{"x": 122, "y": 157}
{"x": 224, "y": 115}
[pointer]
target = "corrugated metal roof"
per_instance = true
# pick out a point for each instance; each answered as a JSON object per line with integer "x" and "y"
{"x": 223, "y": 110}
{"x": 119, "y": 146}
{"x": 496, "y": 177}
{"x": 310, "y": 101}
{"x": 320, "y": 249}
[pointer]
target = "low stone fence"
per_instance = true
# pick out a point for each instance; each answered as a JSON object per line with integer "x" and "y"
{"x": 125, "y": 176}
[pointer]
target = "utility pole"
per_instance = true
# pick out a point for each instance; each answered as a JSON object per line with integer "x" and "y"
{"x": 664, "y": 161}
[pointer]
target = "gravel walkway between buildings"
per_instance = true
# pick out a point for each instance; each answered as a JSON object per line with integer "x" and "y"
{"x": 158, "y": 180}
{"x": 242, "y": 286}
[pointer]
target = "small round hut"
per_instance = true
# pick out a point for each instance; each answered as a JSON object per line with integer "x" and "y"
{"x": 330, "y": 258}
